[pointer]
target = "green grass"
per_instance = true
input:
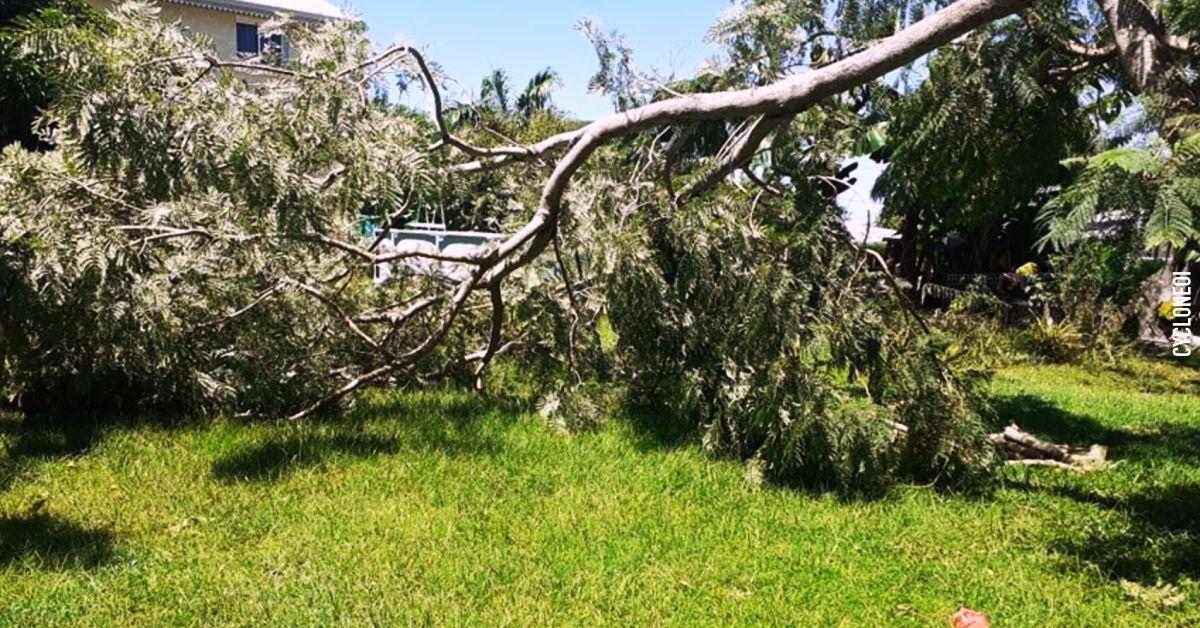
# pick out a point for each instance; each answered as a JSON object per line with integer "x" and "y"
{"x": 442, "y": 508}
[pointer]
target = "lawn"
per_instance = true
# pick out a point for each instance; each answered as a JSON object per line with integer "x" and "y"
{"x": 445, "y": 508}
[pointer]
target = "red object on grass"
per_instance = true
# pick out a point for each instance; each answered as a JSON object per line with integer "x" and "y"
{"x": 968, "y": 618}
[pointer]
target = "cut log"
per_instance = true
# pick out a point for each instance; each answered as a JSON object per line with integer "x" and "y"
{"x": 1026, "y": 442}
{"x": 1021, "y": 448}
{"x": 1025, "y": 449}
{"x": 1043, "y": 462}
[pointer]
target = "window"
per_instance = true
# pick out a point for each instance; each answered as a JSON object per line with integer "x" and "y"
{"x": 272, "y": 47}
{"x": 247, "y": 40}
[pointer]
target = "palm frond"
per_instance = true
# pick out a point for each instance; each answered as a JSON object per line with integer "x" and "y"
{"x": 536, "y": 96}
{"x": 493, "y": 91}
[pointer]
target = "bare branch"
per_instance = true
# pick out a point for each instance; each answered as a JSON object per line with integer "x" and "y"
{"x": 762, "y": 185}
{"x": 494, "y": 336}
{"x": 1069, "y": 72}
{"x": 421, "y": 350}
{"x": 735, "y": 154}
{"x": 264, "y": 68}
{"x": 345, "y": 389}
{"x": 337, "y": 309}
{"x": 174, "y": 233}
{"x": 1041, "y": 462}
{"x": 540, "y": 149}
{"x": 397, "y": 318}
{"x": 259, "y": 299}
{"x": 566, "y": 277}
{"x": 909, "y": 308}
{"x": 405, "y": 251}
{"x": 439, "y": 120}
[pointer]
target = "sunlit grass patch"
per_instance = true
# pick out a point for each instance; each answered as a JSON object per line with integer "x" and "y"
{"x": 450, "y": 508}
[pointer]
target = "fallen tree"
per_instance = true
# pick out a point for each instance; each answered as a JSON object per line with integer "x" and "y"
{"x": 196, "y": 243}
{"x": 768, "y": 105}
{"x": 1021, "y": 448}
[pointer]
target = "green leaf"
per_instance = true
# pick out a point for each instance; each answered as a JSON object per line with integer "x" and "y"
{"x": 1130, "y": 160}
{"x": 1188, "y": 147}
{"x": 877, "y": 137}
{"x": 1172, "y": 221}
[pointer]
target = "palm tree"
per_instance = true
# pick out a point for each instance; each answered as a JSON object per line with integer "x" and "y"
{"x": 536, "y": 97}
{"x": 493, "y": 92}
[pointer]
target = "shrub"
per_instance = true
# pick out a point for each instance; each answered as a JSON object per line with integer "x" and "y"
{"x": 1055, "y": 341}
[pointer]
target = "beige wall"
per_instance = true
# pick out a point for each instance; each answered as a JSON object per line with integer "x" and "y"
{"x": 218, "y": 26}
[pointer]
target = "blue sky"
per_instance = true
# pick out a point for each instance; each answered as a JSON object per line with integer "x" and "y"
{"x": 469, "y": 38}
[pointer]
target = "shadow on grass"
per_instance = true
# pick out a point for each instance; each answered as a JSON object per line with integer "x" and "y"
{"x": 278, "y": 457}
{"x": 1162, "y": 538}
{"x": 453, "y": 424}
{"x": 1167, "y": 441}
{"x": 52, "y": 543}
{"x": 1162, "y": 541}
{"x": 35, "y": 438}
{"x": 448, "y": 423}
{"x": 39, "y": 439}
{"x": 658, "y": 428}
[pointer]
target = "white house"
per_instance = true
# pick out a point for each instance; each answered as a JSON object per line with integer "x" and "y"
{"x": 233, "y": 25}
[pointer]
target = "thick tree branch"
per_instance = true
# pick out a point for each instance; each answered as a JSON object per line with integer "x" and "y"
{"x": 537, "y": 150}
{"x": 1178, "y": 43}
{"x": 1138, "y": 32}
{"x": 784, "y": 98}
{"x": 1067, "y": 73}
{"x": 495, "y": 335}
{"x": 439, "y": 119}
{"x": 770, "y": 106}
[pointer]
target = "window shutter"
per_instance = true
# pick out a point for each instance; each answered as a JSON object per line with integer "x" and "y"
{"x": 247, "y": 39}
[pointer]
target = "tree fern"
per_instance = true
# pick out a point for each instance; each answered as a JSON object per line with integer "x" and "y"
{"x": 1066, "y": 218}
{"x": 1173, "y": 220}
{"x": 1158, "y": 190}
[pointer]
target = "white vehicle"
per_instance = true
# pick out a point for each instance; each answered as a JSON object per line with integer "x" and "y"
{"x": 431, "y": 238}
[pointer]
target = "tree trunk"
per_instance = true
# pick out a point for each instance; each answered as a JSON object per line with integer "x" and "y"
{"x": 1139, "y": 35}
{"x": 1155, "y": 290}
{"x": 907, "y": 257}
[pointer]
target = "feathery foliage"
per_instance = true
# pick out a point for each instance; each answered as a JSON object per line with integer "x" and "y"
{"x": 166, "y": 250}
{"x": 1154, "y": 190}
{"x": 764, "y": 327}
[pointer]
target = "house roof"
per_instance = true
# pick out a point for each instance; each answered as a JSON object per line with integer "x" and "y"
{"x": 304, "y": 9}
{"x": 863, "y": 231}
